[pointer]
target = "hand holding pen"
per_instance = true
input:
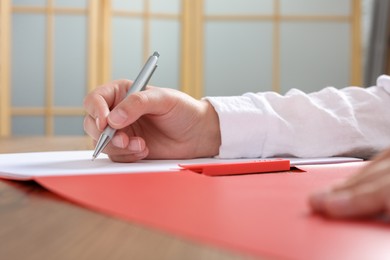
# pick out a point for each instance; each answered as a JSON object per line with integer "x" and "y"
{"x": 139, "y": 84}
{"x": 156, "y": 123}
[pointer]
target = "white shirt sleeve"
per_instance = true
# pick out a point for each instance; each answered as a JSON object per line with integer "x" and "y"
{"x": 352, "y": 121}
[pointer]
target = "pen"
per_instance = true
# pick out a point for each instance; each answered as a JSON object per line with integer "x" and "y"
{"x": 139, "y": 84}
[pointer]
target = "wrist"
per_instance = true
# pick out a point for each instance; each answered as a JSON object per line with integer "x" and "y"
{"x": 210, "y": 137}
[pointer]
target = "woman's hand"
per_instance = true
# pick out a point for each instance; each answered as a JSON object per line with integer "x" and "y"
{"x": 156, "y": 123}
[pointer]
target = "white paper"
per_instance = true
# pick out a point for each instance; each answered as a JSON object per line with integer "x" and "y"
{"x": 29, "y": 165}
{"x": 324, "y": 160}
{"x": 25, "y": 166}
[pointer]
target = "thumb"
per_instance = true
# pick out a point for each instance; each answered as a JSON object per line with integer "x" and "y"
{"x": 150, "y": 101}
{"x": 117, "y": 118}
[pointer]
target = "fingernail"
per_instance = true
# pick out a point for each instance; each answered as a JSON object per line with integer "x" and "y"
{"x": 340, "y": 200}
{"x": 135, "y": 145}
{"x": 117, "y": 116}
{"x": 97, "y": 121}
{"x": 117, "y": 141}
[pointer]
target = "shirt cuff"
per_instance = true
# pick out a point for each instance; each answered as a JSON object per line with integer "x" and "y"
{"x": 242, "y": 126}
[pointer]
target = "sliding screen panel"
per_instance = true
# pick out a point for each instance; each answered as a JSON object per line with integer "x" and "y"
{"x": 165, "y": 6}
{"x": 315, "y": 51}
{"x": 70, "y": 65}
{"x": 238, "y": 57}
{"x": 315, "y": 7}
{"x": 128, "y": 5}
{"x": 68, "y": 125}
{"x": 165, "y": 33}
{"x": 28, "y": 125}
{"x": 72, "y": 3}
{"x": 238, "y": 46}
{"x": 239, "y": 7}
{"x": 127, "y": 44}
{"x": 138, "y": 29}
{"x": 165, "y": 38}
{"x": 28, "y": 62}
{"x": 29, "y": 2}
{"x": 49, "y": 64}
{"x": 314, "y": 55}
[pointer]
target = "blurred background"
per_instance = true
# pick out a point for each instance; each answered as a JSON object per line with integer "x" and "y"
{"x": 53, "y": 52}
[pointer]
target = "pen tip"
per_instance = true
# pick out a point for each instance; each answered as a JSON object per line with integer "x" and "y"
{"x": 93, "y": 158}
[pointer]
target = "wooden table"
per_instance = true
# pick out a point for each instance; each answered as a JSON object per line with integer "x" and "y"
{"x": 37, "y": 224}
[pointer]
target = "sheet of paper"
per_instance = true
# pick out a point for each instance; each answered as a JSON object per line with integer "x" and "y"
{"x": 325, "y": 160}
{"x": 30, "y": 165}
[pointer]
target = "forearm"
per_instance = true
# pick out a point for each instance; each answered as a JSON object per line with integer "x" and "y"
{"x": 348, "y": 122}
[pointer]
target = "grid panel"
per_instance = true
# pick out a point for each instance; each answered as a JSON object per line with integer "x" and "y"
{"x": 55, "y": 84}
{"x": 138, "y": 32}
{"x": 190, "y": 18}
{"x": 287, "y": 12}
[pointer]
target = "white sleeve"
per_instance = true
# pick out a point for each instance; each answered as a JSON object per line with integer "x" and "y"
{"x": 352, "y": 121}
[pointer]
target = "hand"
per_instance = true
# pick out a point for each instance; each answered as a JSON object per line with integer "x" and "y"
{"x": 156, "y": 123}
{"x": 364, "y": 194}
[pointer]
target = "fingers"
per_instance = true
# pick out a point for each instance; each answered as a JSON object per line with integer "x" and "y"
{"x": 162, "y": 107}
{"x": 124, "y": 156}
{"x": 90, "y": 127}
{"x": 151, "y": 101}
{"x": 364, "y": 200}
{"x": 122, "y": 148}
{"x": 125, "y": 149}
{"x": 98, "y": 103}
{"x": 380, "y": 166}
{"x": 364, "y": 194}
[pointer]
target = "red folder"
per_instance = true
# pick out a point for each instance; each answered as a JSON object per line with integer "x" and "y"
{"x": 255, "y": 214}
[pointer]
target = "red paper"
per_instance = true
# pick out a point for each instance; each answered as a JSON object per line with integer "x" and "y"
{"x": 259, "y": 214}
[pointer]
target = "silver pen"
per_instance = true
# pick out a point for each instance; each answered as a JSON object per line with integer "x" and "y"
{"x": 139, "y": 84}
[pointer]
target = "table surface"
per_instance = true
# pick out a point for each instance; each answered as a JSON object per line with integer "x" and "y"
{"x": 37, "y": 224}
